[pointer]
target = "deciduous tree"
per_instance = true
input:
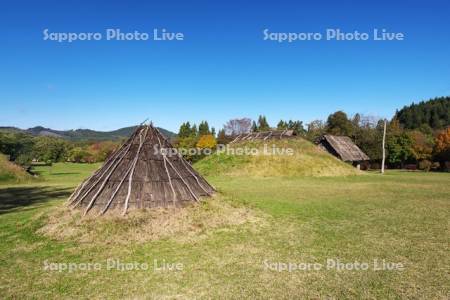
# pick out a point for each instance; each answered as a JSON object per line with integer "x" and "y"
{"x": 207, "y": 142}
{"x": 399, "y": 148}
{"x": 442, "y": 146}
{"x": 237, "y": 126}
{"x": 339, "y": 124}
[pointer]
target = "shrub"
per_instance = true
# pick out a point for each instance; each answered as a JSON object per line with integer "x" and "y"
{"x": 425, "y": 165}
{"x": 435, "y": 166}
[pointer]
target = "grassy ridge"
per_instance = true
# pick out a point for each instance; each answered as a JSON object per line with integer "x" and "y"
{"x": 10, "y": 173}
{"x": 307, "y": 160}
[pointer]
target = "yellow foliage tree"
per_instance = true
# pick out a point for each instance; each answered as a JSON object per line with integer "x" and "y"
{"x": 442, "y": 143}
{"x": 207, "y": 141}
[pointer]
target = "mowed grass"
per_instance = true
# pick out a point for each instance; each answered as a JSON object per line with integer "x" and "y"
{"x": 401, "y": 217}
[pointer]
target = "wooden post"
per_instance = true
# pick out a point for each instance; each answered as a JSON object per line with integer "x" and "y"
{"x": 384, "y": 149}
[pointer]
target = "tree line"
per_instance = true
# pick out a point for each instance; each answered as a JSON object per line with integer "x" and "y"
{"x": 24, "y": 149}
{"x": 417, "y": 134}
{"x": 426, "y": 115}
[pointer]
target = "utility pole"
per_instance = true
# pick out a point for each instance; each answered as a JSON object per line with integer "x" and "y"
{"x": 384, "y": 149}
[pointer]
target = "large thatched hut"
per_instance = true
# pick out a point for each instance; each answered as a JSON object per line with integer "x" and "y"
{"x": 343, "y": 148}
{"x": 144, "y": 172}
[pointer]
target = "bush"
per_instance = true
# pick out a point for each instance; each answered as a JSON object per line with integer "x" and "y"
{"x": 79, "y": 155}
{"x": 435, "y": 166}
{"x": 425, "y": 165}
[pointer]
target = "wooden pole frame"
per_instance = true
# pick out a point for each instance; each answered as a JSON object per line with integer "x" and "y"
{"x": 130, "y": 179}
{"x": 384, "y": 148}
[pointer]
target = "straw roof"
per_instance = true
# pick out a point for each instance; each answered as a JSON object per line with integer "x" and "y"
{"x": 265, "y": 135}
{"x": 342, "y": 147}
{"x": 145, "y": 171}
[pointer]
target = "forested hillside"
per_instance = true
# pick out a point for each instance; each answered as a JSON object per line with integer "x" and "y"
{"x": 48, "y": 145}
{"x": 434, "y": 113}
{"x": 81, "y": 134}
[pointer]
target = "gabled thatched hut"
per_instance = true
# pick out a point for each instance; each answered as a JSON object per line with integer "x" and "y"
{"x": 343, "y": 148}
{"x": 264, "y": 135}
{"x": 144, "y": 172}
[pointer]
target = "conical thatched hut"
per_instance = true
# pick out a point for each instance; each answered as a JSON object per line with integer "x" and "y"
{"x": 144, "y": 172}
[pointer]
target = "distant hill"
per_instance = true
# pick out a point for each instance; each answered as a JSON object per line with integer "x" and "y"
{"x": 82, "y": 134}
{"x": 434, "y": 113}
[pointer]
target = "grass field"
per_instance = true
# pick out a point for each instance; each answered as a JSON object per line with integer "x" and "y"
{"x": 401, "y": 217}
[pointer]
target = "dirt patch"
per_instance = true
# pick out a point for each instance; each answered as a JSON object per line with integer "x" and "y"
{"x": 183, "y": 224}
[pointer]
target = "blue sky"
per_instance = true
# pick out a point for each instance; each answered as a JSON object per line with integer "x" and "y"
{"x": 223, "y": 68}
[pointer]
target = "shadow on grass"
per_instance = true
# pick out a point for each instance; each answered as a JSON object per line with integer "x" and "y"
{"x": 19, "y": 197}
{"x": 63, "y": 173}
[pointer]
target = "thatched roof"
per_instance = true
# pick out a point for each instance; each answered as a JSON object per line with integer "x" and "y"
{"x": 342, "y": 147}
{"x": 142, "y": 173}
{"x": 264, "y": 135}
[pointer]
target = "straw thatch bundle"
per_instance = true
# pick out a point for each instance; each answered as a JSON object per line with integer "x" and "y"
{"x": 264, "y": 135}
{"x": 144, "y": 172}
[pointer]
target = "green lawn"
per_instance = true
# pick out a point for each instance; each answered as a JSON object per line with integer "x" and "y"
{"x": 401, "y": 217}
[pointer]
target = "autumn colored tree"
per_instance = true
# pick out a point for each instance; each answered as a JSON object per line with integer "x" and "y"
{"x": 442, "y": 146}
{"x": 422, "y": 145}
{"x": 207, "y": 142}
{"x": 394, "y": 127}
{"x": 101, "y": 150}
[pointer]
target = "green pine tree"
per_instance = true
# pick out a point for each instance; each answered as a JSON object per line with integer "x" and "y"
{"x": 254, "y": 127}
{"x": 263, "y": 125}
